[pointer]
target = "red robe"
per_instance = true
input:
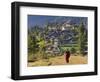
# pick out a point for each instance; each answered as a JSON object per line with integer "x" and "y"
{"x": 67, "y": 56}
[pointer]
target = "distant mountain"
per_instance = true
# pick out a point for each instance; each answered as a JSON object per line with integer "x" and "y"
{"x": 71, "y": 20}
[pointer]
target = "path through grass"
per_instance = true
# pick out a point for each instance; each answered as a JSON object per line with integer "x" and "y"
{"x": 59, "y": 60}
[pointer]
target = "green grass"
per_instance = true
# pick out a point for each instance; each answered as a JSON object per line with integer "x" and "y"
{"x": 64, "y": 48}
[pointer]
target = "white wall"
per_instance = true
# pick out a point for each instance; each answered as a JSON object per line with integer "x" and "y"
{"x": 5, "y": 39}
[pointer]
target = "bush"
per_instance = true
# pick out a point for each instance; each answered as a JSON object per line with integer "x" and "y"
{"x": 73, "y": 50}
{"x": 32, "y": 58}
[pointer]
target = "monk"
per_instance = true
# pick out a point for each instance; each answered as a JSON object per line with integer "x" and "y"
{"x": 67, "y": 56}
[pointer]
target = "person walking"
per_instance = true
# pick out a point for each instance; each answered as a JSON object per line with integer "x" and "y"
{"x": 67, "y": 56}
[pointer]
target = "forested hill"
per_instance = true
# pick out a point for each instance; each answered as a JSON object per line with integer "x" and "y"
{"x": 65, "y": 29}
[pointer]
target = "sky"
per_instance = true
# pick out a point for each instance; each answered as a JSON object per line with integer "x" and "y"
{"x": 41, "y": 20}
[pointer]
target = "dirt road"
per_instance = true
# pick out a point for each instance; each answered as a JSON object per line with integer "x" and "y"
{"x": 60, "y": 61}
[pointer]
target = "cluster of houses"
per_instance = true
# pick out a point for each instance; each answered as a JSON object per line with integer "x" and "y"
{"x": 58, "y": 35}
{"x": 64, "y": 26}
{"x": 56, "y": 32}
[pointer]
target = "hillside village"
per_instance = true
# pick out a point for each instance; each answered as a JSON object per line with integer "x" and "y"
{"x": 55, "y": 38}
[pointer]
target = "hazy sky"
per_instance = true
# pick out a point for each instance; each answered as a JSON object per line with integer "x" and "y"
{"x": 39, "y": 19}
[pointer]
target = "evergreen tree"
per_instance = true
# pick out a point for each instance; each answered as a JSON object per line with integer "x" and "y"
{"x": 82, "y": 38}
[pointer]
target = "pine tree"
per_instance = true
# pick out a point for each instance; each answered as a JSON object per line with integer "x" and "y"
{"x": 82, "y": 38}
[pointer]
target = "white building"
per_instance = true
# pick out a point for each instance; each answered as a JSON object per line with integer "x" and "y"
{"x": 67, "y": 26}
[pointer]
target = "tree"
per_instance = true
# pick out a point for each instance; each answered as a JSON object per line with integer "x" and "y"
{"x": 32, "y": 44}
{"x": 82, "y": 38}
{"x": 32, "y": 48}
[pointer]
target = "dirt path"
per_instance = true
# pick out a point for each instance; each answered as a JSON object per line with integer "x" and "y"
{"x": 60, "y": 61}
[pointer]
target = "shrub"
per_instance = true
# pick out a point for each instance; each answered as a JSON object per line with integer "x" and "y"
{"x": 73, "y": 50}
{"x": 32, "y": 58}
